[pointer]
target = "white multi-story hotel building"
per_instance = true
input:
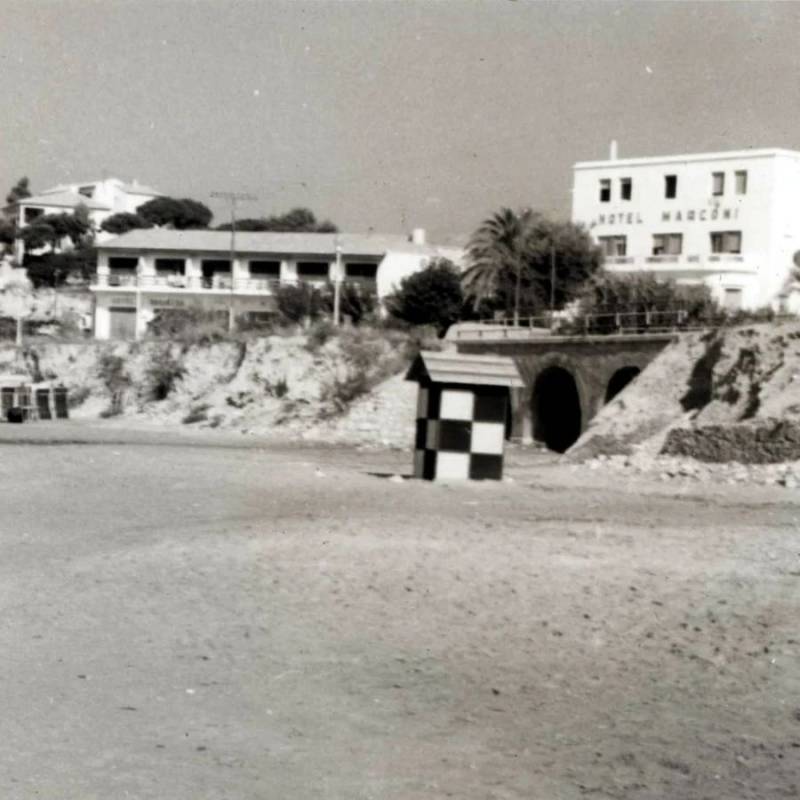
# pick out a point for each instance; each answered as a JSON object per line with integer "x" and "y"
{"x": 730, "y": 220}
{"x": 145, "y": 271}
{"x": 101, "y": 199}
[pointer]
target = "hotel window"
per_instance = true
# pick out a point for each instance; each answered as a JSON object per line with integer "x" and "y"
{"x": 605, "y": 190}
{"x": 741, "y": 181}
{"x": 670, "y": 186}
{"x": 613, "y": 245}
{"x": 123, "y": 264}
{"x": 726, "y": 242}
{"x": 87, "y": 191}
{"x": 625, "y": 188}
{"x": 717, "y": 184}
{"x": 265, "y": 269}
{"x": 361, "y": 271}
{"x": 313, "y": 270}
{"x": 170, "y": 266}
{"x": 122, "y": 270}
{"x": 667, "y": 244}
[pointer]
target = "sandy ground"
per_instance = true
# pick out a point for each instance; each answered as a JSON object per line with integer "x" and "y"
{"x": 187, "y": 617}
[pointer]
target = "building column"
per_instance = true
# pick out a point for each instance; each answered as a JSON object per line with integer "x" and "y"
{"x": 521, "y": 416}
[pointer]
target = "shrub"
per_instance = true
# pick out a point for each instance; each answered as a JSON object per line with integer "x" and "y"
{"x": 430, "y": 297}
{"x": 53, "y": 269}
{"x": 161, "y": 375}
{"x": 318, "y": 334}
{"x": 111, "y": 371}
{"x": 356, "y": 302}
{"x": 278, "y": 389}
{"x": 298, "y": 302}
{"x": 609, "y": 295}
{"x": 78, "y": 396}
{"x": 196, "y": 414}
{"x": 339, "y": 392}
{"x": 123, "y": 222}
{"x": 190, "y": 326}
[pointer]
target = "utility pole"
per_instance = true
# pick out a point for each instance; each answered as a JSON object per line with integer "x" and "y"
{"x": 337, "y": 285}
{"x": 552, "y": 283}
{"x": 233, "y": 197}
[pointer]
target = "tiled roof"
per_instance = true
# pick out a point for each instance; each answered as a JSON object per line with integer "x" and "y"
{"x": 488, "y": 370}
{"x": 63, "y": 199}
{"x": 204, "y": 241}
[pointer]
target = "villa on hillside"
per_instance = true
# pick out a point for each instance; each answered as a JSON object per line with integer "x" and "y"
{"x": 100, "y": 198}
{"x": 145, "y": 271}
{"x": 728, "y": 220}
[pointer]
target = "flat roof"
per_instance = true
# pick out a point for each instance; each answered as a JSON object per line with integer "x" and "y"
{"x": 62, "y": 199}
{"x": 206, "y": 241}
{"x": 687, "y": 158}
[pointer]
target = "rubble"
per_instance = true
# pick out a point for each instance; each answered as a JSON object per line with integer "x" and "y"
{"x": 673, "y": 468}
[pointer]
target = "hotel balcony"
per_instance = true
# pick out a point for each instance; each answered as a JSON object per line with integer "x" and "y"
{"x": 679, "y": 263}
{"x": 220, "y": 283}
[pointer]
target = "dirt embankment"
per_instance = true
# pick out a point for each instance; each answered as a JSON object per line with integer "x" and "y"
{"x": 728, "y": 395}
{"x": 341, "y": 388}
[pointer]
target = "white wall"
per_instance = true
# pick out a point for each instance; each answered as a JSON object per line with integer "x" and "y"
{"x": 766, "y": 215}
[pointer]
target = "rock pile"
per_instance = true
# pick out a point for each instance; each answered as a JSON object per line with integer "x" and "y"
{"x": 669, "y": 468}
{"x": 767, "y": 442}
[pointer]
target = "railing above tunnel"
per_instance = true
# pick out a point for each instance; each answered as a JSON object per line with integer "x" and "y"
{"x": 599, "y": 324}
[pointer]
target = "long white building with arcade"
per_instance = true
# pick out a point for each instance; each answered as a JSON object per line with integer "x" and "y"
{"x": 143, "y": 272}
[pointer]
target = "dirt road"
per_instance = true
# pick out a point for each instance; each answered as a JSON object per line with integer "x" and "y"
{"x": 212, "y": 621}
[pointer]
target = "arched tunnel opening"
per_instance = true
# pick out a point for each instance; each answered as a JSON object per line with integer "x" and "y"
{"x": 556, "y": 409}
{"x": 619, "y": 380}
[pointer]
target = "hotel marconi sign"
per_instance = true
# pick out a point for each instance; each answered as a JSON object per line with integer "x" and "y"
{"x": 688, "y": 215}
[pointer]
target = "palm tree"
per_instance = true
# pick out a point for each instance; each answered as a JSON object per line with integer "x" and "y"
{"x": 497, "y": 251}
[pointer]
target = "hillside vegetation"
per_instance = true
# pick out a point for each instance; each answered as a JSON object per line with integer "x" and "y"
{"x": 300, "y": 384}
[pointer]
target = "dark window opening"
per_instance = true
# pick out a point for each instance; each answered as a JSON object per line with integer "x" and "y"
{"x": 726, "y": 242}
{"x": 717, "y": 184}
{"x": 122, "y": 271}
{"x": 313, "y": 269}
{"x": 265, "y": 269}
{"x": 626, "y": 188}
{"x": 170, "y": 266}
{"x": 117, "y": 263}
{"x": 30, "y": 214}
{"x": 361, "y": 270}
{"x": 605, "y": 190}
{"x": 216, "y": 273}
{"x": 667, "y": 244}
{"x": 670, "y": 186}
{"x": 86, "y": 191}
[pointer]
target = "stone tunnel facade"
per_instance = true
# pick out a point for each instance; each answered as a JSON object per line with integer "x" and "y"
{"x": 567, "y": 379}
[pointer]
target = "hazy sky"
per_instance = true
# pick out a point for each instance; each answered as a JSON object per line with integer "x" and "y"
{"x": 384, "y": 114}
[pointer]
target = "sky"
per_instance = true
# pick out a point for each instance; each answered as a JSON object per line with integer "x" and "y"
{"x": 384, "y": 114}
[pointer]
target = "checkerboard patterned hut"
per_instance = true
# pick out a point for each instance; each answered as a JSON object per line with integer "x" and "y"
{"x": 462, "y": 412}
